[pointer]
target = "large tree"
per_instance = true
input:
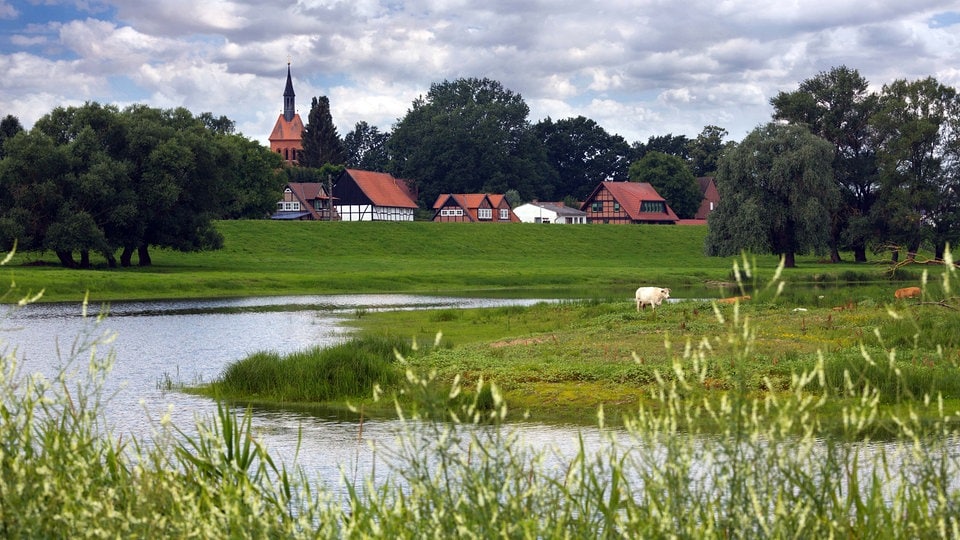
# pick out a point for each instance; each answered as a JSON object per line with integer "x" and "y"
{"x": 583, "y": 154}
{"x": 672, "y": 179}
{"x": 366, "y": 148}
{"x": 321, "y": 142}
{"x": 94, "y": 179}
{"x": 470, "y": 135}
{"x": 705, "y": 151}
{"x": 919, "y": 128}
{"x": 776, "y": 192}
{"x": 837, "y": 106}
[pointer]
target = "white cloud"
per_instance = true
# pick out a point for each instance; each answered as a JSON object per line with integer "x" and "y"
{"x": 638, "y": 68}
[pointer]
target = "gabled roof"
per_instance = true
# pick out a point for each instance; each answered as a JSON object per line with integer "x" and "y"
{"x": 630, "y": 195}
{"x": 287, "y": 130}
{"x": 308, "y": 191}
{"x": 559, "y": 209}
{"x": 463, "y": 200}
{"x": 383, "y": 189}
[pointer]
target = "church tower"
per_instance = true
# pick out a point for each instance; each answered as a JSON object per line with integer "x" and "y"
{"x": 285, "y": 137}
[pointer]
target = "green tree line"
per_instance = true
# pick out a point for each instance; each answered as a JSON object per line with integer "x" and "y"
{"x": 96, "y": 179}
{"x": 838, "y": 168}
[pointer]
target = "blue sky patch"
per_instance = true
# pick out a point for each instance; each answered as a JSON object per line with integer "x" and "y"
{"x": 942, "y": 20}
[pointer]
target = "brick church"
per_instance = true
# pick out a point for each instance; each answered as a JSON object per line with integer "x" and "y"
{"x": 285, "y": 137}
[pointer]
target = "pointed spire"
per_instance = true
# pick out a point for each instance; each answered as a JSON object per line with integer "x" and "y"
{"x": 289, "y": 106}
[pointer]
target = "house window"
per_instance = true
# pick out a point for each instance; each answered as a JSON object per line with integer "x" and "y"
{"x": 484, "y": 213}
{"x": 451, "y": 212}
{"x": 616, "y": 206}
{"x": 504, "y": 214}
{"x": 597, "y": 206}
{"x": 653, "y": 207}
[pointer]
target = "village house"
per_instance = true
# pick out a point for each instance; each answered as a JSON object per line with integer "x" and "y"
{"x": 549, "y": 212}
{"x": 373, "y": 196}
{"x": 304, "y": 201}
{"x": 627, "y": 202}
{"x": 473, "y": 207}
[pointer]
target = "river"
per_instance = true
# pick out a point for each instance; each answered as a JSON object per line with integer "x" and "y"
{"x": 192, "y": 341}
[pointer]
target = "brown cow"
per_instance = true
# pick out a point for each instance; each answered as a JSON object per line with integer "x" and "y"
{"x": 734, "y": 299}
{"x": 907, "y": 292}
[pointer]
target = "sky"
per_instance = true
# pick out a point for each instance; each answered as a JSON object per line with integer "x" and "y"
{"x": 638, "y": 68}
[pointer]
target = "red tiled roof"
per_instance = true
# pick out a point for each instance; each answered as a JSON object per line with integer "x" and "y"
{"x": 383, "y": 189}
{"x": 287, "y": 131}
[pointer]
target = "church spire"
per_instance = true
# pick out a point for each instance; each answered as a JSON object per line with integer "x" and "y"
{"x": 289, "y": 106}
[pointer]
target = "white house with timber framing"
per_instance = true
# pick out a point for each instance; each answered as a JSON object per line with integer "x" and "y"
{"x": 373, "y": 196}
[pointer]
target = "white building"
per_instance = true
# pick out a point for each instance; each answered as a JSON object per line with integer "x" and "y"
{"x": 549, "y": 212}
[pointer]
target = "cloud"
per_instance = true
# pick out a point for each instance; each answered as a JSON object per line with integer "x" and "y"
{"x": 636, "y": 67}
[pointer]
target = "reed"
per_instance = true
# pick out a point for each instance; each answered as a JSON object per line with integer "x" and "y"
{"x": 318, "y": 374}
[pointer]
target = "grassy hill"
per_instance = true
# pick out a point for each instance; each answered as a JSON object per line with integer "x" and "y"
{"x": 270, "y": 258}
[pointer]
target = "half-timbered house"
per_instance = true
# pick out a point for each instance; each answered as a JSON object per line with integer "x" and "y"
{"x": 627, "y": 202}
{"x": 473, "y": 207}
{"x": 304, "y": 201}
{"x": 373, "y": 196}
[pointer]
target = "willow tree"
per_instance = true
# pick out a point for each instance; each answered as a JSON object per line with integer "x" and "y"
{"x": 838, "y": 106}
{"x": 776, "y": 193}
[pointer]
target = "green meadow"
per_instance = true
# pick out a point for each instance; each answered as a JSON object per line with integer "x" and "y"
{"x": 282, "y": 258}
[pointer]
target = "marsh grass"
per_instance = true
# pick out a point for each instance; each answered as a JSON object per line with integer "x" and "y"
{"x": 347, "y": 370}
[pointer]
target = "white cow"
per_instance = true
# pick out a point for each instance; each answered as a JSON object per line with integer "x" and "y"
{"x": 651, "y": 296}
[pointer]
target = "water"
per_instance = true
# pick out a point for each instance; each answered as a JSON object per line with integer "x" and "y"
{"x": 193, "y": 341}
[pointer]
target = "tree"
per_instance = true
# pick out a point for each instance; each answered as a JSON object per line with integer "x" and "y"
{"x": 97, "y": 179}
{"x": 674, "y": 145}
{"x": 837, "y": 106}
{"x": 776, "y": 191}
{"x": 252, "y": 183}
{"x": 705, "y": 151}
{"x": 919, "y": 128}
{"x": 9, "y": 126}
{"x": 672, "y": 179}
{"x": 220, "y": 126}
{"x": 366, "y": 148}
{"x": 321, "y": 143}
{"x": 583, "y": 154}
{"x": 470, "y": 135}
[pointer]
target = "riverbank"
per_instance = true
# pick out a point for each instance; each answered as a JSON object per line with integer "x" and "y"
{"x": 267, "y": 258}
{"x": 561, "y": 362}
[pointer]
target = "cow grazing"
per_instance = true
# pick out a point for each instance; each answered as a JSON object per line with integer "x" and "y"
{"x": 907, "y": 292}
{"x": 734, "y": 299}
{"x": 651, "y": 296}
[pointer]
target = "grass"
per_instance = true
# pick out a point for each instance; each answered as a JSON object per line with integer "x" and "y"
{"x": 274, "y": 258}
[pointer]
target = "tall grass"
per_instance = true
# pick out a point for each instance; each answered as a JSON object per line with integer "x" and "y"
{"x": 318, "y": 374}
{"x": 459, "y": 470}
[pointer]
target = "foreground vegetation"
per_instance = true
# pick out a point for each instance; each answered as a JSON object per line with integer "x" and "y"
{"x": 762, "y": 469}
